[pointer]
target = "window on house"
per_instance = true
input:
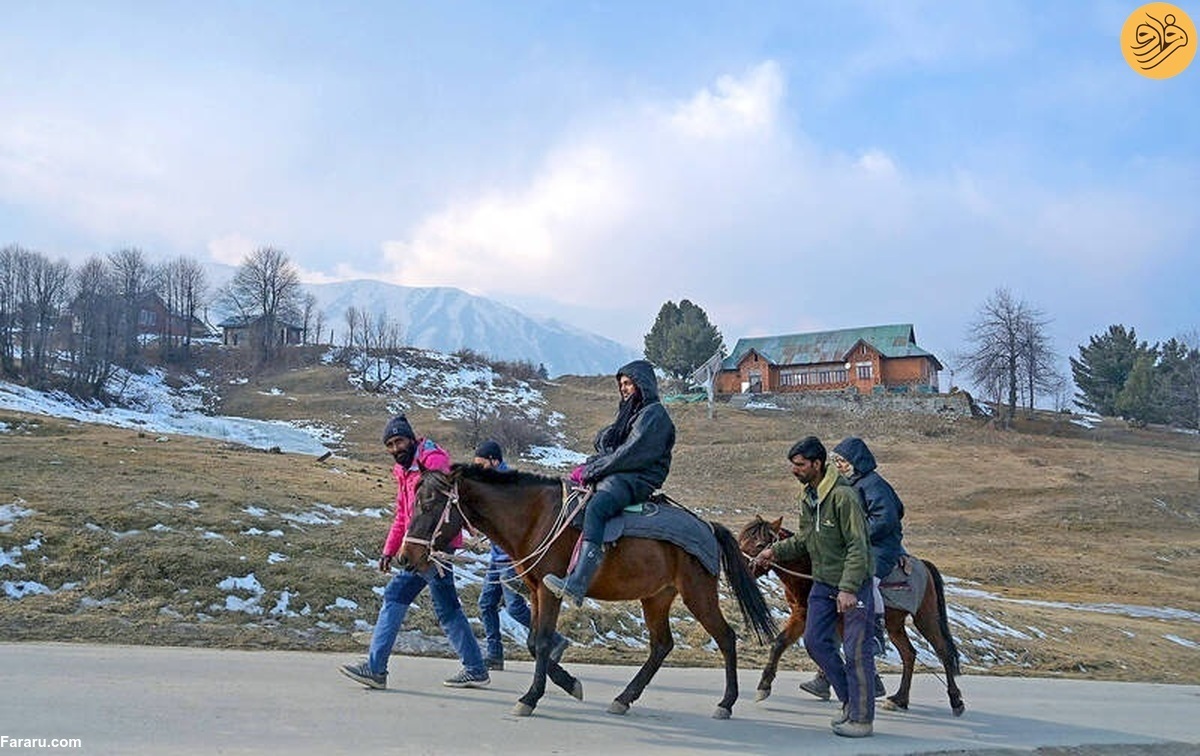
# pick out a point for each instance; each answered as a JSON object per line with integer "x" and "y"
{"x": 865, "y": 372}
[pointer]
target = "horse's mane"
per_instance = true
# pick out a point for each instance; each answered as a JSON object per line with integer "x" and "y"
{"x": 495, "y": 477}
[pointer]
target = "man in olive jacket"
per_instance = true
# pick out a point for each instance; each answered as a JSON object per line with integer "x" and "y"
{"x": 833, "y": 532}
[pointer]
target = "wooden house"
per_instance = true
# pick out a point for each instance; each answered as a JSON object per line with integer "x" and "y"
{"x": 871, "y": 359}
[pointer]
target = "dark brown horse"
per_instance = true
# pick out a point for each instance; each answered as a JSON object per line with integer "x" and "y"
{"x": 524, "y": 515}
{"x": 930, "y": 618}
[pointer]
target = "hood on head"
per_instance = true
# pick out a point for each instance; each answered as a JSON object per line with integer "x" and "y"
{"x": 855, "y": 451}
{"x": 641, "y": 373}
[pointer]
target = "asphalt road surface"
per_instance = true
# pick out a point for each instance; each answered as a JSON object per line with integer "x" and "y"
{"x": 151, "y": 700}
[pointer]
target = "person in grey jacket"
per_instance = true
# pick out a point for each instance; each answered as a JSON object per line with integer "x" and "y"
{"x": 632, "y": 459}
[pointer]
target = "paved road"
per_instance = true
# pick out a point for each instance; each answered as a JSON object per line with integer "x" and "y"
{"x": 146, "y": 700}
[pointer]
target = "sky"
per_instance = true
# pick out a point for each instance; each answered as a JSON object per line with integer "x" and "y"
{"x": 786, "y": 166}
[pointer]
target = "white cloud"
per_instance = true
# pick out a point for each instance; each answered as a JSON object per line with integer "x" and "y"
{"x": 733, "y": 106}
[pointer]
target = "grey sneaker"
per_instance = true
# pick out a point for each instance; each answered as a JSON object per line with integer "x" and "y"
{"x": 559, "y": 648}
{"x": 361, "y": 673}
{"x": 494, "y": 664}
{"x": 843, "y": 717}
{"x": 818, "y": 686}
{"x": 850, "y": 729}
{"x": 466, "y": 679}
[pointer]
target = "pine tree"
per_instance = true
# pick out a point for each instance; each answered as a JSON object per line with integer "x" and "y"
{"x": 1140, "y": 399}
{"x": 682, "y": 338}
{"x": 1103, "y": 367}
{"x": 1179, "y": 382}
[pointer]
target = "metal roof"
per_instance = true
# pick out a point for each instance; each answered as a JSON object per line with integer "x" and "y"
{"x": 897, "y": 340}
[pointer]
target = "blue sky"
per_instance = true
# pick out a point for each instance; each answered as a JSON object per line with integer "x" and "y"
{"x": 786, "y": 166}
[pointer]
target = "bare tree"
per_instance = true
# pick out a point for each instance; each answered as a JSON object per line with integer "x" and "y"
{"x": 1039, "y": 361}
{"x": 372, "y": 340}
{"x": 132, "y": 277}
{"x": 183, "y": 284}
{"x": 266, "y": 289}
{"x": 33, "y": 293}
{"x": 309, "y": 317}
{"x": 1009, "y": 352}
{"x": 9, "y": 310}
{"x": 96, "y": 335}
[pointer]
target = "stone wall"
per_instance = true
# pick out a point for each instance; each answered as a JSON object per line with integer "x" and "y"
{"x": 957, "y": 404}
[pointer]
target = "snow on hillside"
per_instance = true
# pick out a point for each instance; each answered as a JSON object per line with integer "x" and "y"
{"x": 428, "y": 379}
{"x": 447, "y": 319}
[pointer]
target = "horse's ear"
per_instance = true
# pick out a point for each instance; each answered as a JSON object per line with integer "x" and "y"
{"x": 777, "y": 524}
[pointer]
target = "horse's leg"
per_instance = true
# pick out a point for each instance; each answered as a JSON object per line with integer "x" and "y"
{"x": 893, "y": 619}
{"x": 933, "y": 623}
{"x": 700, "y": 596}
{"x": 656, "y": 611}
{"x": 547, "y": 618}
{"x": 558, "y": 675}
{"x": 793, "y": 628}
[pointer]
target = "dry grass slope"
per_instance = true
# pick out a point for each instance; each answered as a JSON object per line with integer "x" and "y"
{"x": 147, "y": 527}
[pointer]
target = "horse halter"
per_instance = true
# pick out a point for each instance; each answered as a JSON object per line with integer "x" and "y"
{"x": 440, "y": 560}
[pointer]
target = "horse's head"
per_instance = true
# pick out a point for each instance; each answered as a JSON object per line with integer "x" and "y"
{"x": 435, "y": 520}
{"x": 758, "y": 535}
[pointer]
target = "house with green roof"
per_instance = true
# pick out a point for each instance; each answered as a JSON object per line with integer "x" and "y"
{"x": 870, "y": 359}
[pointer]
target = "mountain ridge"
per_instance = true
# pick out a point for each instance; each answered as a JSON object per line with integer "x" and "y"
{"x": 446, "y": 319}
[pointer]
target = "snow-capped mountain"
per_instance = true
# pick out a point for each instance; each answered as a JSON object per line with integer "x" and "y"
{"x": 447, "y": 319}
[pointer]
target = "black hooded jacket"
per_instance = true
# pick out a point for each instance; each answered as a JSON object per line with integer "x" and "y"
{"x": 883, "y": 507}
{"x": 644, "y": 453}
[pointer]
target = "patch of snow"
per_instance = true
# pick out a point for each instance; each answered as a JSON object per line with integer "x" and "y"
{"x": 21, "y": 589}
{"x": 275, "y": 557}
{"x": 555, "y": 457}
{"x": 1182, "y": 641}
{"x": 343, "y": 603}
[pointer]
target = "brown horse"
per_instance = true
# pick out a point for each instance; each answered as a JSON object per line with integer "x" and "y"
{"x": 524, "y": 514}
{"x": 930, "y": 618}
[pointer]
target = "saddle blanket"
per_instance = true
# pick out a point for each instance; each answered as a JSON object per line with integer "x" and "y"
{"x": 664, "y": 522}
{"x": 904, "y": 588}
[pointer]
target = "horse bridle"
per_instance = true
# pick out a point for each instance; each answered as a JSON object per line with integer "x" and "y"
{"x": 774, "y": 565}
{"x": 453, "y": 503}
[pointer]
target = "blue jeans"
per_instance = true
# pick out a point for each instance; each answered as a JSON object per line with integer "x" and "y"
{"x": 853, "y": 679}
{"x": 495, "y": 590}
{"x": 399, "y": 594}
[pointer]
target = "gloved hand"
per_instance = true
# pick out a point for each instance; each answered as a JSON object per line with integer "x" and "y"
{"x": 385, "y": 563}
{"x": 577, "y": 476}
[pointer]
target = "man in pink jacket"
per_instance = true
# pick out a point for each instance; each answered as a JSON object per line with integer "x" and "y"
{"x": 413, "y": 455}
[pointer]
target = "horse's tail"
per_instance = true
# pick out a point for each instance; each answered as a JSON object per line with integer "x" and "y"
{"x": 943, "y": 620}
{"x": 751, "y": 601}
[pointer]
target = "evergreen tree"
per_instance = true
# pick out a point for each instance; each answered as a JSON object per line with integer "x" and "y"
{"x": 1140, "y": 399}
{"x": 1179, "y": 382}
{"x": 682, "y": 338}
{"x": 1103, "y": 367}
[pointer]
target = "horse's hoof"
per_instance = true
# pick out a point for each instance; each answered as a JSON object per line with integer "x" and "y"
{"x": 958, "y": 710}
{"x": 577, "y": 691}
{"x": 722, "y": 713}
{"x": 522, "y": 710}
{"x": 891, "y": 705}
{"x": 616, "y": 707}
{"x": 762, "y": 694}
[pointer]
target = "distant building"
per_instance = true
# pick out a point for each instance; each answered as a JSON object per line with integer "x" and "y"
{"x": 153, "y": 317}
{"x": 871, "y": 359}
{"x": 239, "y": 331}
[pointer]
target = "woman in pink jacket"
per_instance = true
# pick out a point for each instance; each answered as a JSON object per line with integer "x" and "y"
{"x": 413, "y": 455}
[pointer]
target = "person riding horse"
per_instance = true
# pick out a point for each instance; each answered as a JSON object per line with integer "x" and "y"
{"x": 633, "y": 458}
